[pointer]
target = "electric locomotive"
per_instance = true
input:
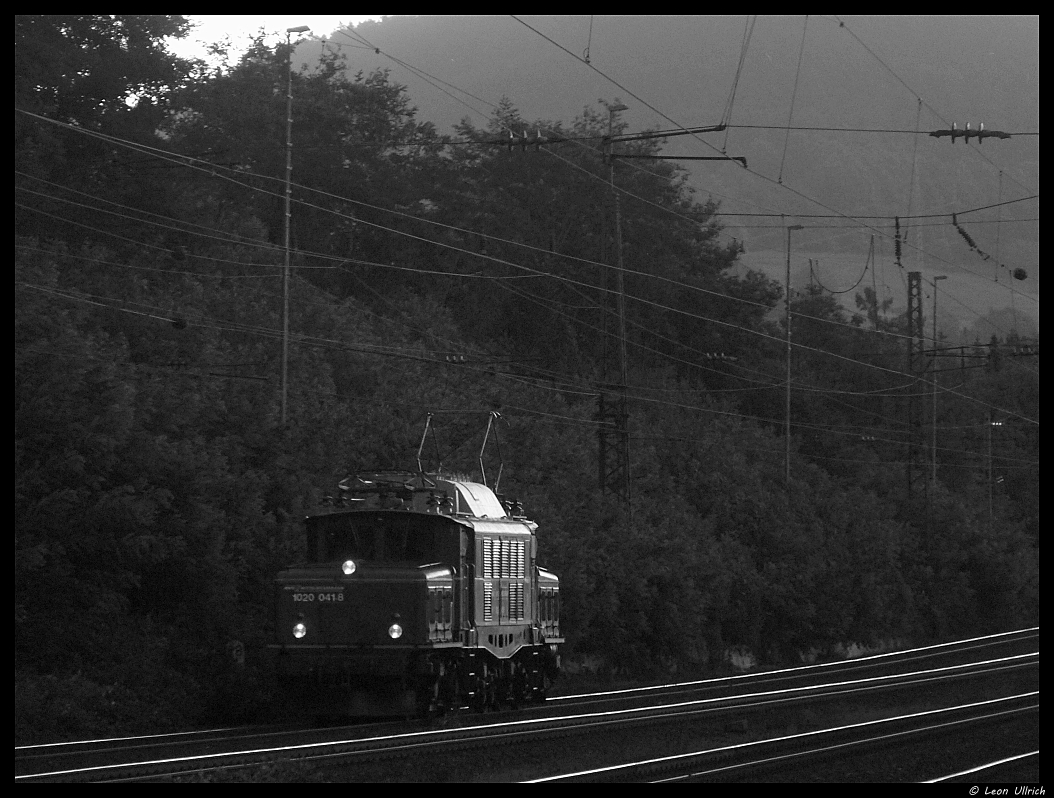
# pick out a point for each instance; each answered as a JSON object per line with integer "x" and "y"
{"x": 421, "y": 594}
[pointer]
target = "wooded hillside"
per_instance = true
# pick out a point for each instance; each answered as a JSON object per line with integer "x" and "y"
{"x": 157, "y": 491}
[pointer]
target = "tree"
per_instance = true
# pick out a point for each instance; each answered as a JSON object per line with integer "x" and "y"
{"x": 103, "y": 75}
{"x": 361, "y": 155}
{"x": 555, "y": 202}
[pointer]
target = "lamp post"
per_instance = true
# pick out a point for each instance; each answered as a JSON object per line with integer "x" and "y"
{"x": 787, "y": 299}
{"x": 288, "y": 212}
{"x": 933, "y": 446}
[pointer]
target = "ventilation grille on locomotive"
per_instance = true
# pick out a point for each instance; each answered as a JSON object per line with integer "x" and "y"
{"x": 504, "y": 559}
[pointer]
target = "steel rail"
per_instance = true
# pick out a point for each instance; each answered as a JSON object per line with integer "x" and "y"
{"x": 409, "y": 743}
{"x": 749, "y": 757}
{"x": 821, "y": 670}
{"x": 25, "y": 753}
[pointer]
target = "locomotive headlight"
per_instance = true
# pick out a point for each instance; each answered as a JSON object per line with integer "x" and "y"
{"x": 299, "y": 631}
{"x": 395, "y": 631}
{"x": 348, "y": 567}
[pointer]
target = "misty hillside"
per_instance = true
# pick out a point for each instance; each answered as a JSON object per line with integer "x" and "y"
{"x": 965, "y": 69}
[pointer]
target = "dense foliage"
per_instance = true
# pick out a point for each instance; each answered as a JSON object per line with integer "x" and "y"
{"x": 157, "y": 492}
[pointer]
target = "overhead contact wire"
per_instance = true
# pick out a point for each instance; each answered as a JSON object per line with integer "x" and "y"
{"x": 794, "y": 94}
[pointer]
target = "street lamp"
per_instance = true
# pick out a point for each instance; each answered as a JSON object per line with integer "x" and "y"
{"x": 288, "y": 196}
{"x": 933, "y": 448}
{"x": 787, "y": 300}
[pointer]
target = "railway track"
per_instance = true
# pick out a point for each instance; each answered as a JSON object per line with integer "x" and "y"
{"x": 354, "y": 752}
{"x": 1020, "y": 768}
{"x": 794, "y": 757}
{"x": 953, "y": 653}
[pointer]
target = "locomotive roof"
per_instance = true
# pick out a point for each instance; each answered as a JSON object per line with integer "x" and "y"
{"x": 421, "y": 492}
{"x": 505, "y": 526}
{"x": 479, "y": 500}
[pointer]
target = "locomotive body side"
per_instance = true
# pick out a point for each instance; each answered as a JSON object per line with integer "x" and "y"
{"x": 424, "y": 597}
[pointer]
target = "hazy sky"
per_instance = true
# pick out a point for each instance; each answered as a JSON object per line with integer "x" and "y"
{"x": 240, "y": 28}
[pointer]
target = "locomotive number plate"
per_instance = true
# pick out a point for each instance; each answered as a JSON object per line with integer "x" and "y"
{"x": 317, "y": 596}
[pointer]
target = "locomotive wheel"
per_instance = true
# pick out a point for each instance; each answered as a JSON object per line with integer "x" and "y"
{"x": 491, "y": 696}
{"x": 428, "y": 707}
{"x": 495, "y": 688}
{"x": 429, "y": 694}
{"x": 482, "y": 698}
{"x": 477, "y": 684}
{"x": 544, "y": 683}
{"x": 521, "y": 688}
{"x": 449, "y": 694}
{"x": 539, "y": 693}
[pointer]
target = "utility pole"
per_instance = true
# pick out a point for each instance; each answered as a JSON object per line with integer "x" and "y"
{"x": 613, "y": 426}
{"x": 933, "y": 446}
{"x": 613, "y": 442}
{"x": 917, "y": 368}
{"x": 787, "y": 301}
{"x": 288, "y": 213}
{"x": 991, "y": 482}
